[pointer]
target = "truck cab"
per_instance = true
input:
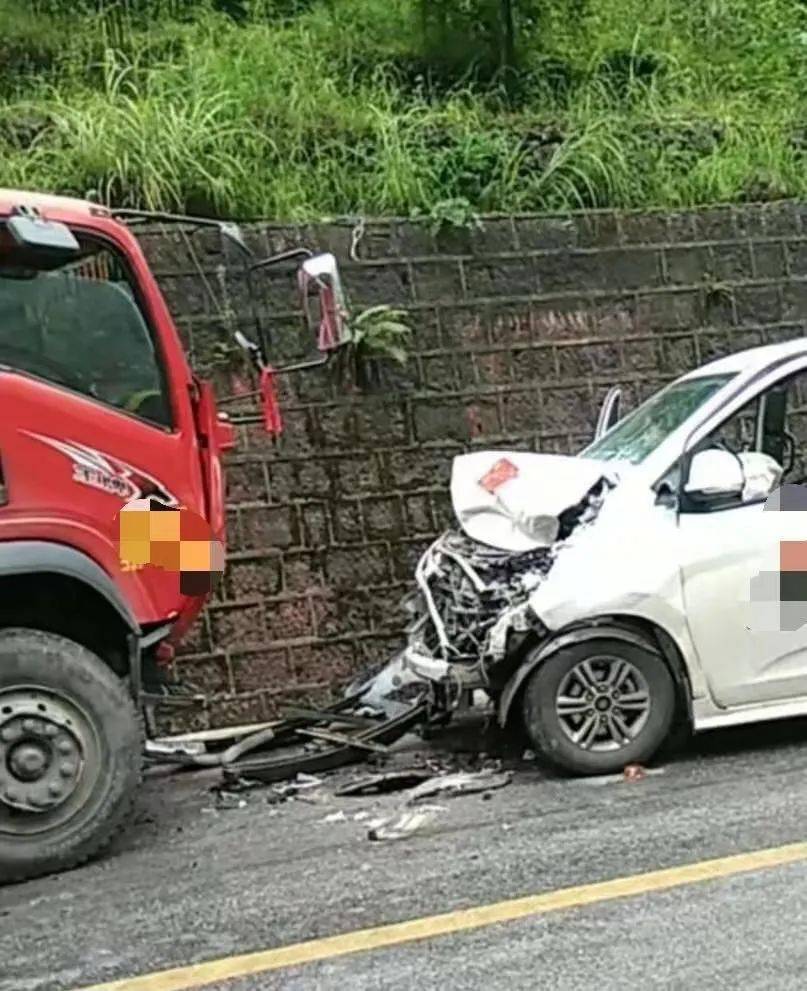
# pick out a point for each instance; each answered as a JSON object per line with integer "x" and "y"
{"x": 98, "y": 407}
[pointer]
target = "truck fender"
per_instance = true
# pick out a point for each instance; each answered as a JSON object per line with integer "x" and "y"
{"x": 550, "y": 647}
{"x": 25, "y": 557}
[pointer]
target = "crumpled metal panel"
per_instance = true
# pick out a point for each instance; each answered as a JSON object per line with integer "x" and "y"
{"x": 515, "y": 500}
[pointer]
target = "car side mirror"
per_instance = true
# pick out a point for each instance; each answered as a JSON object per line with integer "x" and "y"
{"x": 714, "y": 474}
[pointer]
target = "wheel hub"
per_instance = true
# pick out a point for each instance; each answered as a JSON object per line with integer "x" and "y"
{"x": 28, "y": 760}
{"x": 603, "y": 703}
{"x": 41, "y": 752}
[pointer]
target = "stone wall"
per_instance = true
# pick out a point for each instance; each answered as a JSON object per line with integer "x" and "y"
{"x": 521, "y": 327}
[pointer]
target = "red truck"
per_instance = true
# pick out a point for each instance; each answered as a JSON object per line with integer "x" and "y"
{"x": 98, "y": 406}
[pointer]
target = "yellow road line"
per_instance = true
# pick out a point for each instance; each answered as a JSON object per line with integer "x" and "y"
{"x": 231, "y": 968}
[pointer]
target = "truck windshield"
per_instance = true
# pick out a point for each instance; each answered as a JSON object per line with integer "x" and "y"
{"x": 641, "y": 432}
{"x": 81, "y": 327}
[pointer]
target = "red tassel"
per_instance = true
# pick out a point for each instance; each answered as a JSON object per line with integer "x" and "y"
{"x": 327, "y": 330}
{"x": 272, "y": 420}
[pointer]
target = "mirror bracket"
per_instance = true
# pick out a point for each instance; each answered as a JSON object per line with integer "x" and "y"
{"x": 283, "y": 256}
{"x": 230, "y": 230}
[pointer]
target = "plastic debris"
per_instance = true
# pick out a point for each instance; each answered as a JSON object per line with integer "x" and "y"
{"x": 303, "y": 788}
{"x": 632, "y": 772}
{"x": 229, "y": 800}
{"x": 460, "y": 783}
{"x": 166, "y": 750}
{"x": 243, "y": 784}
{"x": 336, "y": 817}
{"x": 312, "y": 797}
{"x": 308, "y": 781}
{"x": 404, "y": 824}
{"x": 380, "y": 784}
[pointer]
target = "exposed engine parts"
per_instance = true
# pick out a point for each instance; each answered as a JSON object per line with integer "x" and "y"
{"x": 466, "y": 587}
{"x": 470, "y": 597}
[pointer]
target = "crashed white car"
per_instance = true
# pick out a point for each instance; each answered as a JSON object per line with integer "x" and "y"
{"x": 600, "y": 600}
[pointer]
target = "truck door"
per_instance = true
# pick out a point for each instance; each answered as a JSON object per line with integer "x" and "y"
{"x": 90, "y": 415}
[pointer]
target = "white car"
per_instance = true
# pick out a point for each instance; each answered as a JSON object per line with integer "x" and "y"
{"x": 603, "y": 599}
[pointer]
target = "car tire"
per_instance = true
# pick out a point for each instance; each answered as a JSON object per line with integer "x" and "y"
{"x": 560, "y": 699}
{"x": 70, "y": 754}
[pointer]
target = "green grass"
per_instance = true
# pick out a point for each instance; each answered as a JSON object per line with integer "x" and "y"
{"x": 303, "y": 110}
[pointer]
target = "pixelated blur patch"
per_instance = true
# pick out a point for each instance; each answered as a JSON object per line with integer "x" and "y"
{"x": 193, "y": 527}
{"x": 194, "y": 555}
{"x": 165, "y": 526}
{"x": 779, "y": 597}
{"x": 177, "y": 541}
{"x": 500, "y": 473}
{"x": 787, "y": 498}
{"x": 165, "y": 554}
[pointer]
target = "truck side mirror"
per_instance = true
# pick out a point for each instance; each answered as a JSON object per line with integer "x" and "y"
{"x": 714, "y": 474}
{"x": 44, "y": 244}
{"x": 323, "y": 300}
{"x": 325, "y": 309}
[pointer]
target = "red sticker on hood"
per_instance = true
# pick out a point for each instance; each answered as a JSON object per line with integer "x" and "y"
{"x": 500, "y": 473}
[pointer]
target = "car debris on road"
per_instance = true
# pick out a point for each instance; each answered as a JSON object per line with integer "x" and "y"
{"x": 403, "y": 824}
{"x": 460, "y": 783}
{"x": 380, "y": 784}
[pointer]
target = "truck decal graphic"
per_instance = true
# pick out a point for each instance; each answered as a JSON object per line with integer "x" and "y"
{"x": 102, "y": 471}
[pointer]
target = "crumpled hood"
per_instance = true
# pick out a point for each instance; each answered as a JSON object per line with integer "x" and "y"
{"x": 513, "y": 500}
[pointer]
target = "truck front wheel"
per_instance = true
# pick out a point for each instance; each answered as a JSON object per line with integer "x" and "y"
{"x": 70, "y": 753}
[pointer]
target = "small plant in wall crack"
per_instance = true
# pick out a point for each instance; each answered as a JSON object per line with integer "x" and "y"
{"x": 716, "y": 294}
{"x": 715, "y": 289}
{"x": 377, "y": 338}
{"x": 455, "y": 213}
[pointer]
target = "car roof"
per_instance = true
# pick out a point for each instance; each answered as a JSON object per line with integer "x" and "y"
{"x": 752, "y": 360}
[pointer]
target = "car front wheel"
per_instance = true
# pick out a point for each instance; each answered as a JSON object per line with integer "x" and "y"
{"x": 596, "y": 706}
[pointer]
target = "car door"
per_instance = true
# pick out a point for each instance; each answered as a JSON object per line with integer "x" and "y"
{"x": 730, "y": 554}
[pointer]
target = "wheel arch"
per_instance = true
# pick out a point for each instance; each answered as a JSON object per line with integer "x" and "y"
{"x": 61, "y": 590}
{"x": 639, "y": 632}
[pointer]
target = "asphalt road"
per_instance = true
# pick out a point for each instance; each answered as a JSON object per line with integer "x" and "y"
{"x": 188, "y": 883}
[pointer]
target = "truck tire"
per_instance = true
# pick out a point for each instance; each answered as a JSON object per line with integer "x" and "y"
{"x": 70, "y": 754}
{"x": 595, "y": 707}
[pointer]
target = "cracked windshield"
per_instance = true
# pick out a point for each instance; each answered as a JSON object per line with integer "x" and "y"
{"x": 641, "y": 432}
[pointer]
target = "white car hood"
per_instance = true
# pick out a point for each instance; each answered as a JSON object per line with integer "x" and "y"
{"x": 513, "y": 500}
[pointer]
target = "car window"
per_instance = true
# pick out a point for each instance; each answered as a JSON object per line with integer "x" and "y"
{"x": 774, "y": 423}
{"x": 81, "y": 327}
{"x": 640, "y": 433}
{"x": 785, "y": 427}
{"x": 739, "y": 433}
